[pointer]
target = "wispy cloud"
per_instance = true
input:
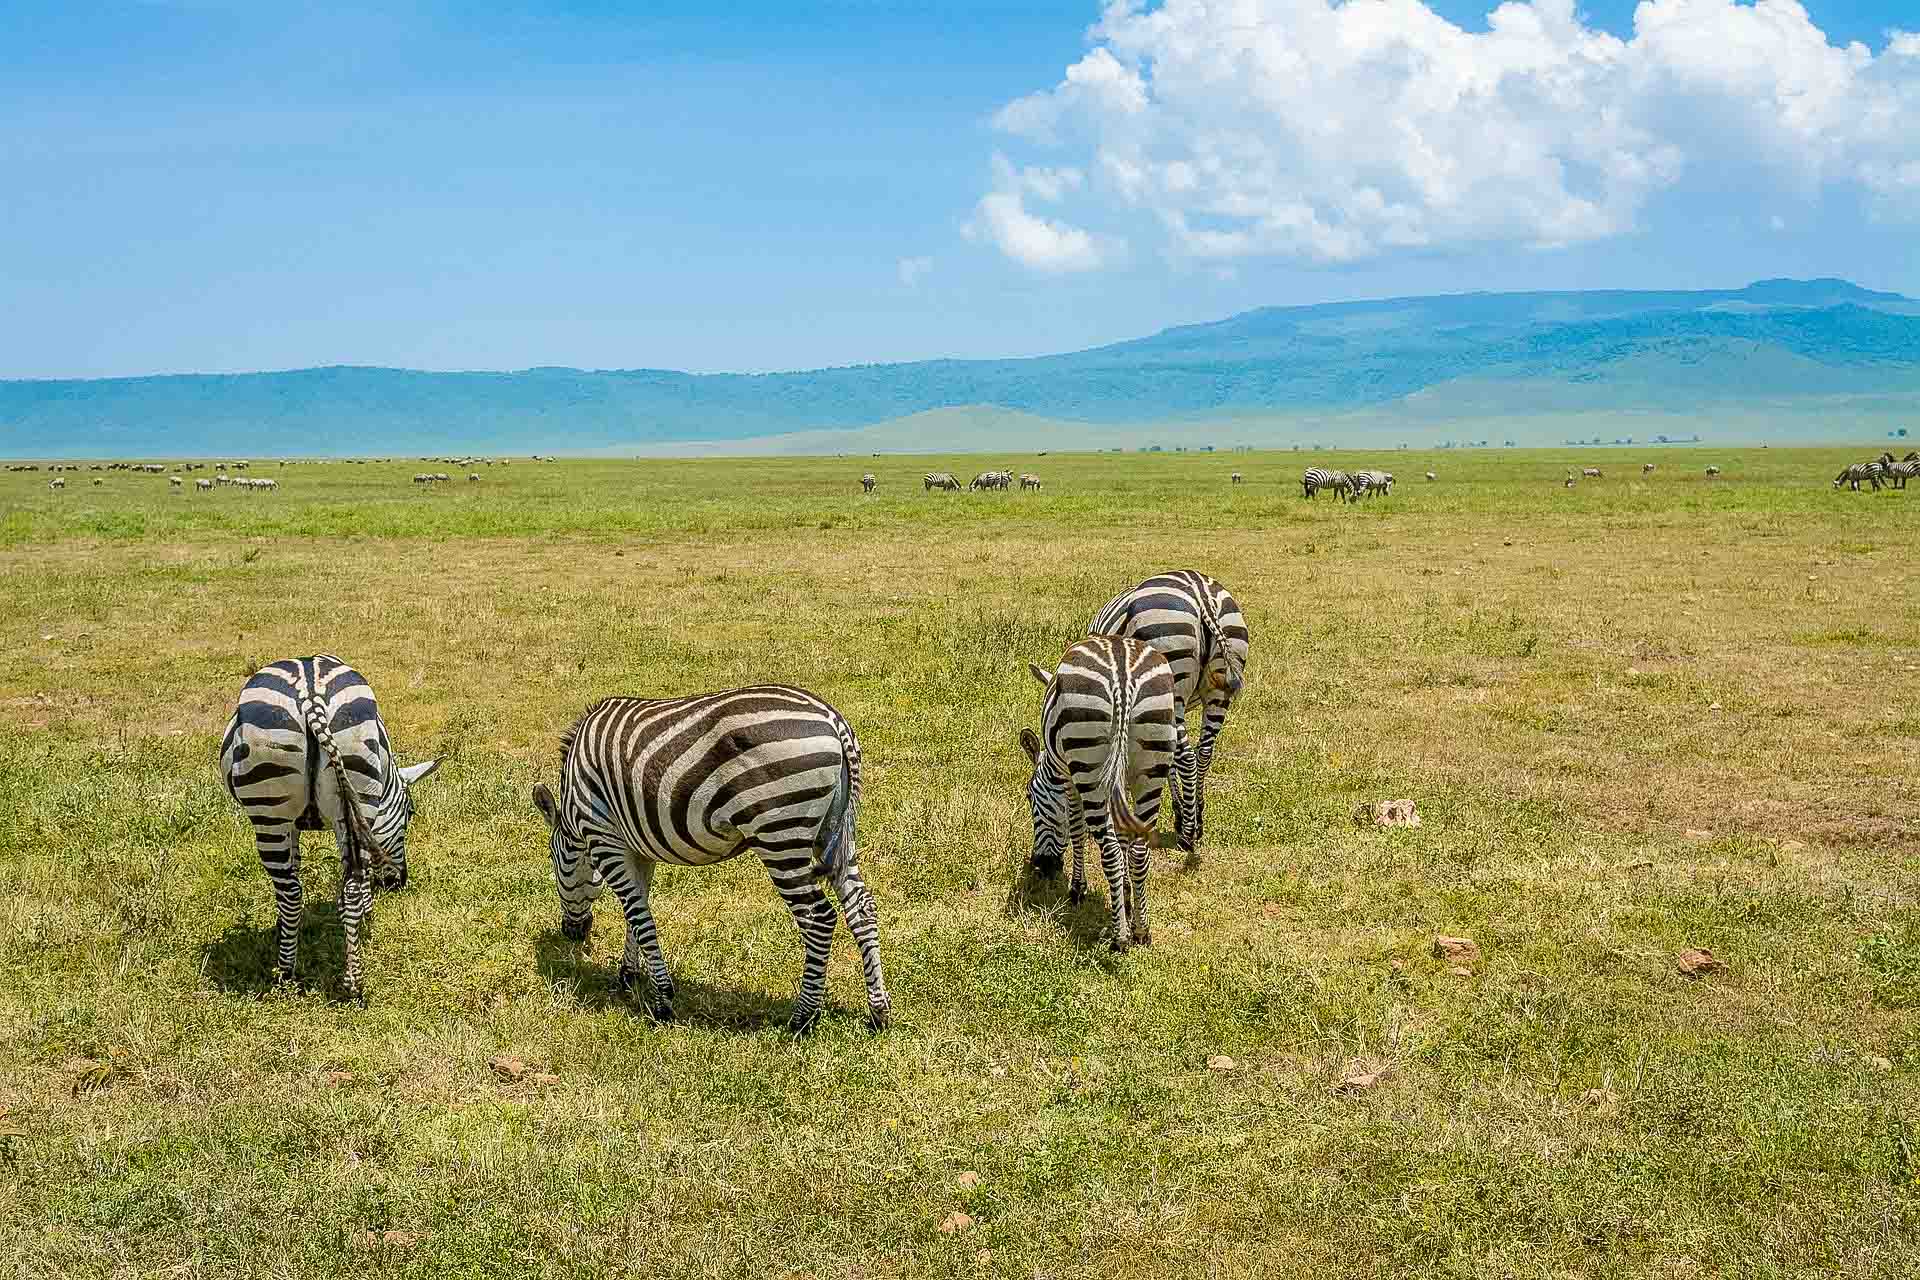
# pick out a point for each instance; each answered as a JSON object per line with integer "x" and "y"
{"x": 914, "y": 270}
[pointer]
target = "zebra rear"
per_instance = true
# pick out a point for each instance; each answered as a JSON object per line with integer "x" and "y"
{"x": 1197, "y": 626}
{"x": 695, "y": 781}
{"x": 1100, "y": 764}
{"x": 306, "y": 749}
{"x": 1314, "y": 479}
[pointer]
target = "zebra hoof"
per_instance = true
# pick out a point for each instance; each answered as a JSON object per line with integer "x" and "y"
{"x": 1120, "y": 945}
{"x": 803, "y": 1021}
{"x": 623, "y": 980}
{"x": 660, "y": 1011}
{"x": 1076, "y": 894}
{"x": 1143, "y": 937}
{"x": 879, "y": 1015}
{"x": 576, "y": 930}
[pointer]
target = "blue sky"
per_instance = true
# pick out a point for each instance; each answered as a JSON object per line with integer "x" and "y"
{"x": 208, "y": 185}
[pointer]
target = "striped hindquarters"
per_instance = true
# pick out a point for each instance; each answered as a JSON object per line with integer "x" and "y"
{"x": 1314, "y": 479}
{"x": 297, "y": 718}
{"x": 694, "y": 781}
{"x": 1107, "y": 727}
{"x": 1193, "y": 621}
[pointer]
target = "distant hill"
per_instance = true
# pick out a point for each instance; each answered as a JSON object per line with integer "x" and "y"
{"x": 1810, "y": 352}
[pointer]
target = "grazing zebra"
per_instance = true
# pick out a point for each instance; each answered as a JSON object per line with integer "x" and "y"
{"x": 1030, "y": 481}
{"x": 991, "y": 480}
{"x": 1431, "y": 476}
{"x": 1196, "y": 624}
{"x": 97, "y": 480}
{"x": 472, "y": 476}
{"x": 694, "y": 781}
{"x": 867, "y": 482}
{"x": 1365, "y": 483}
{"x": 1236, "y": 477}
{"x": 1314, "y": 479}
{"x": 1646, "y": 468}
{"x": 1854, "y": 473}
{"x": 1569, "y": 479}
{"x": 305, "y": 749}
{"x": 203, "y": 484}
{"x": 1898, "y": 473}
{"x": 1100, "y": 763}
{"x": 942, "y": 480}
{"x": 1591, "y": 473}
{"x": 1712, "y": 471}
{"x": 58, "y": 482}
{"x": 175, "y": 482}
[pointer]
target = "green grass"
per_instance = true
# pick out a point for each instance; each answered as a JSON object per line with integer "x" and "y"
{"x": 1637, "y": 716}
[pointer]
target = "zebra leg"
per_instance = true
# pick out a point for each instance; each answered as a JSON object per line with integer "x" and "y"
{"x": 1077, "y": 837}
{"x": 279, "y": 848}
{"x": 863, "y": 921}
{"x": 631, "y": 879}
{"x": 815, "y": 917}
{"x": 1113, "y": 862}
{"x": 356, "y": 900}
{"x": 1186, "y": 786}
{"x": 1138, "y": 858}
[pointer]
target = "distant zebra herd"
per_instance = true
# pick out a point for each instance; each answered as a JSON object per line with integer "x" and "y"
{"x": 1883, "y": 470}
{"x": 768, "y": 769}
{"x": 950, "y": 483}
{"x": 1351, "y": 485}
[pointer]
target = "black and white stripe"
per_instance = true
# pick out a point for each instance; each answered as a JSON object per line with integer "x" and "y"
{"x": 942, "y": 480}
{"x": 694, "y": 781}
{"x": 1362, "y": 484}
{"x": 1314, "y": 479}
{"x": 1898, "y": 473}
{"x": 1100, "y": 764}
{"x": 867, "y": 482}
{"x": 1854, "y": 473}
{"x": 1196, "y": 624}
{"x": 305, "y": 749}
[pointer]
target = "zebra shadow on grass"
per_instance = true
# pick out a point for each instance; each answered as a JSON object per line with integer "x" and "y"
{"x": 1085, "y": 924}
{"x": 240, "y": 960}
{"x": 591, "y": 974}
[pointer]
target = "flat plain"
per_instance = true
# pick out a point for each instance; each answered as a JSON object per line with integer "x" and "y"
{"x": 1639, "y": 715}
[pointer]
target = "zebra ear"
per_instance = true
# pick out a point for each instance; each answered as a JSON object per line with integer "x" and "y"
{"x": 1040, "y": 673}
{"x": 543, "y": 801}
{"x": 1030, "y": 743}
{"x": 414, "y": 772}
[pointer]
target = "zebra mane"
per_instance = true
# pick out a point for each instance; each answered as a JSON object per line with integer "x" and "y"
{"x": 571, "y": 733}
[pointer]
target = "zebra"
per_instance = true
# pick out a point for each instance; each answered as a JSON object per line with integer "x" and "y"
{"x": 97, "y": 481}
{"x": 1712, "y": 472}
{"x": 1314, "y": 479}
{"x": 1100, "y": 762}
{"x": 987, "y": 480}
{"x": 1646, "y": 469}
{"x": 58, "y": 482}
{"x": 1898, "y": 473}
{"x": 942, "y": 480}
{"x": 695, "y": 781}
{"x": 203, "y": 484}
{"x": 305, "y": 748}
{"x": 1569, "y": 478}
{"x": 472, "y": 476}
{"x": 1852, "y": 474}
{"x": 175, "y": 482}
{"x": 1236, "y": 478}
{"x": 1365, "y": 483}
{"x": 1196, "y": 624}
{"x": 867, "y": 482}
{"x": 1431, "y": 476}
{"x": 1030, "y": 481}
{"x": 1590, "y": 473}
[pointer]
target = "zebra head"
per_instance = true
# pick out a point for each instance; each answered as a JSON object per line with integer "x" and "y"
{"x": 388, "y": 861}
{"x": 1046, "y": 797}
{"x": 573, "y": 872}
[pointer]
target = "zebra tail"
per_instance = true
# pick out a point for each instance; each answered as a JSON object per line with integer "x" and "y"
{"x": 836, "y": 829}
{"x": 1126, "y": 821}
{"x": 359, "y": 852}
{"x": 1219, "y": 638}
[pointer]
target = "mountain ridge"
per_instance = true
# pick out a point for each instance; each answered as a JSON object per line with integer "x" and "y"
{"x": 1596, "y": 350}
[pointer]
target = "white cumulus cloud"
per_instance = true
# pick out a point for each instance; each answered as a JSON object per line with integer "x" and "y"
{"x": 1335, "y": 132}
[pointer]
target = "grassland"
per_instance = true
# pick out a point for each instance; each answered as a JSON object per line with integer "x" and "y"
{"x": 1638, "y": 716}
